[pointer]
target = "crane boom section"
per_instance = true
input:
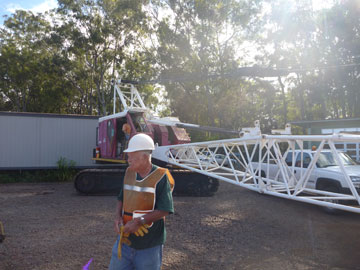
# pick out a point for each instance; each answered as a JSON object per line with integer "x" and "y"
{"x": 278, "y": 165}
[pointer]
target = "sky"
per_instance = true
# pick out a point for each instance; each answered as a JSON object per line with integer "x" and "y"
{"x": 7, "y": 7}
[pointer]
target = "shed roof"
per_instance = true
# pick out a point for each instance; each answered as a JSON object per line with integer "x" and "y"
{"x": 325, "y": 122}
{"x": 48, "y": 115}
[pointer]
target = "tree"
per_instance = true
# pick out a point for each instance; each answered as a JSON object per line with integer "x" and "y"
{"x": 31, "y": 77}
{"x": 100, "y": 36}
{"x": 340, "y": 38}
{"x": 197, "y": 41}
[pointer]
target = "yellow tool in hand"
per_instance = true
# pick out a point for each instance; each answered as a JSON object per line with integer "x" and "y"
{"x": 124, "y": 236}
{"x": 123, "y": 239}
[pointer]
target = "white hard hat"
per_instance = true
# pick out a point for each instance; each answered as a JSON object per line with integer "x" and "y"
{"x": 140, "y": 142}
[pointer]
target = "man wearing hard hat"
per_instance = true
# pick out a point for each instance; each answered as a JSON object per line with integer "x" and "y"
{"x": 143, "y": 203}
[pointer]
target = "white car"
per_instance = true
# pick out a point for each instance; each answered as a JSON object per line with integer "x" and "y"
{"x": 220, "y": 159}
{"x": 326, "y": 175}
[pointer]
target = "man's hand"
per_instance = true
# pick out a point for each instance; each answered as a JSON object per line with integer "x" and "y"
{"x": 136, "y": 227}
{"x": 132, "y": 226}
{"x": 118, "y": 224}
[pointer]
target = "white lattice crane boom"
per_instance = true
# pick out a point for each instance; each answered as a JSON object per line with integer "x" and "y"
{"x": 260, "y": 163}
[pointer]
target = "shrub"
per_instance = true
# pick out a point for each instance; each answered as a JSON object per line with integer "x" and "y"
{"x": 66, "y": 169}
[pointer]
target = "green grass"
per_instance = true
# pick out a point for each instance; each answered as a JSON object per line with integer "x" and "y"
{"x": 37, "y": 176}
{"x": 65, "y": 172}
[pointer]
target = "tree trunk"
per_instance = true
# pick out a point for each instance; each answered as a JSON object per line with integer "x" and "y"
{"x": 301, "y": 97}
{"x": 284, "y": 100}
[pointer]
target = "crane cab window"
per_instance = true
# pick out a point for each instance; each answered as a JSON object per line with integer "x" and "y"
{"x": 139, "y": 123}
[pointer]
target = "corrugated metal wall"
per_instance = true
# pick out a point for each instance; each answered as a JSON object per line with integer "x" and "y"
{"x": 29, "y": 140}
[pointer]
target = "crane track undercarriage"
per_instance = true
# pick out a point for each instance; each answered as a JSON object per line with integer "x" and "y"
{"x": 109, "y": 181}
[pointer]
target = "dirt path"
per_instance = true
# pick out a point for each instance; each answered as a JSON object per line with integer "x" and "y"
{"x": 49, "y": 226}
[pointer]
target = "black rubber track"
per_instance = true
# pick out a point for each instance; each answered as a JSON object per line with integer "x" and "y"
{"x": 109, "y": 181}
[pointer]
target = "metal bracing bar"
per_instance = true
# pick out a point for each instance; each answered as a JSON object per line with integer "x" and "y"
{"x": 268, "y": 151}
{"x": 251, "y": 158}
{"x": 230, "y": 162}
{"x": 323, "y": 192}
{"x": 304, "y": 180}
{"x": 318, "y": 138}
{"x": 198, "y": 160}
{"x": 291, "y": 146}
{"x": 229, "y": 173}
{"x": 223, "y": 162}
{"x": 244, "y": 160}
{"x": 267, "y": 154}
{"x": 121, "y": 96}
{"x": 214, "y": 175}
{"x": 347, "y": 178}
{"x": 281, "y": 167}
{"x": 134, "y": 90}
{"x": 272, "y": 181}
{"x": 213, "y": 153}
{"x": 289, "y": 173}
{"x": 114, "y": 100}
{"x": 301, "y": 160}
{"x": 268, "y": 146}
{"x": 241, "y": 163}
{"x": 268, "y": 162}
{"x": 316, "y": 202}
{"x": 324, "y": 203}
{"x": 248, "y": 167}
{"x": 259, "y": 168}
{"x": 208, "y": 163}
{"x": 300, "y": 143}
{"x": 331, "y": 198}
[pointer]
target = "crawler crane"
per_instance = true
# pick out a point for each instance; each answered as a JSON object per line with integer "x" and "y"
{"x": 111, "y": 143}
{"x": 276, "y": 164}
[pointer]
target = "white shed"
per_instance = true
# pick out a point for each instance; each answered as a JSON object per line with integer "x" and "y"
{"x": 38, "y": 140}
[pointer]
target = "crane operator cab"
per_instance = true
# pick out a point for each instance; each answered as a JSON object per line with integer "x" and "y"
{"x": 115, "y": 131}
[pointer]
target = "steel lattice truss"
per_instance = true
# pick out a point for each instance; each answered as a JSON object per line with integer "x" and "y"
{"x": 248, "y": 160}
{"x": 129, "y": 97}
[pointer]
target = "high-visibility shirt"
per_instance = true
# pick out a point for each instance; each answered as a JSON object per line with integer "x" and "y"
{"x": 141, "y": 196}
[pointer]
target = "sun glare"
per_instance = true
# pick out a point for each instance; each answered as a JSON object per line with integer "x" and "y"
{"x": 321, "y": 4}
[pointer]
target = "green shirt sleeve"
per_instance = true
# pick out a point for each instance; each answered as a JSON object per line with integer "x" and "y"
{"x": 164, "y": 200}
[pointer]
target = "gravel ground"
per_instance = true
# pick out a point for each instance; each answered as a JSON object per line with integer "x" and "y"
{"x": 49, "y": 226}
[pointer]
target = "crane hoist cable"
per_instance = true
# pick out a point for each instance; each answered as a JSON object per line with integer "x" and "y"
{"x": 251, "y": 71}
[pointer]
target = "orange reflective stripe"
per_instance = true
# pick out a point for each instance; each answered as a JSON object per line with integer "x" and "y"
{"x": 171, "y": 180}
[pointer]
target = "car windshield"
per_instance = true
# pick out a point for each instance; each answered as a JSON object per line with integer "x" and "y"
{"x": 327, "y": 159}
